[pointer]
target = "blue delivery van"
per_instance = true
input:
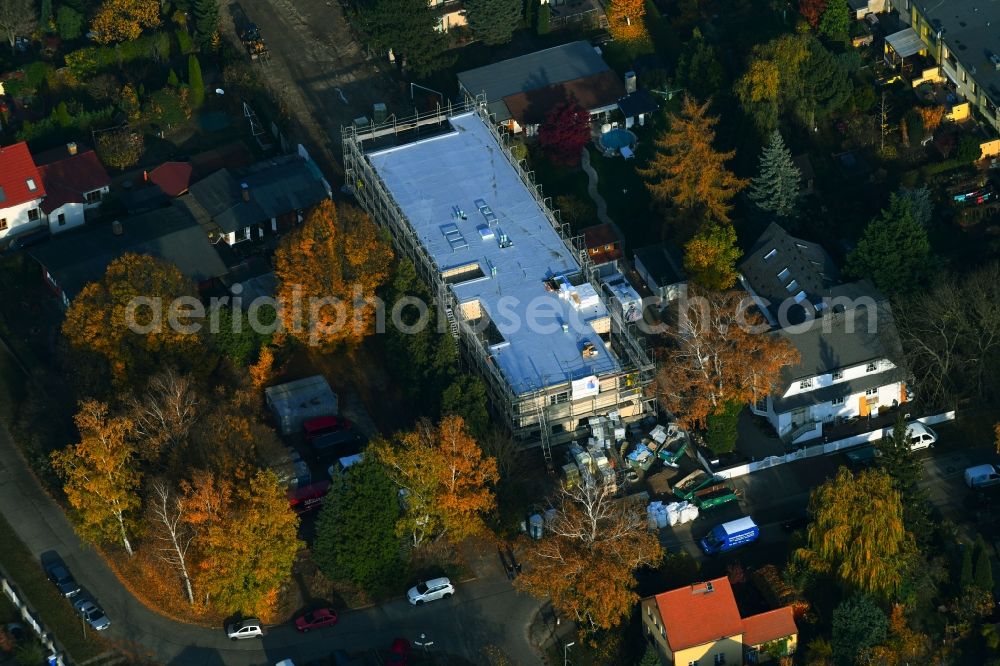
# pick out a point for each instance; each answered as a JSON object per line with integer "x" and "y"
{"x": 728, "y": 536}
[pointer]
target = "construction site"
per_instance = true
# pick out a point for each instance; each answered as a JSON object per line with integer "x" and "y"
{"x": 550, "y": 332}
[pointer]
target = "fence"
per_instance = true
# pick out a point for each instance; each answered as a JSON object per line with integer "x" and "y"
{"x": 54, "y": 657}
{"x": 822, "y": 449}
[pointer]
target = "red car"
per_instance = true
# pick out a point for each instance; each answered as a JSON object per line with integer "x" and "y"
{"x": 304, "y": 500}
{"x": 316, "y": 619}
{"x": 399, "y": 653}
{"x": 322, "y": 425}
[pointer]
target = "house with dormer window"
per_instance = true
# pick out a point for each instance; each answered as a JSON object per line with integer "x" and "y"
{"x": 21, "y": 191}
{"x": 844, "y": 333}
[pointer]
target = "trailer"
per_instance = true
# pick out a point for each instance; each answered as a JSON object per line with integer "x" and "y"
{"x": 686, "y": 488}
{"x": 713, "y": 497}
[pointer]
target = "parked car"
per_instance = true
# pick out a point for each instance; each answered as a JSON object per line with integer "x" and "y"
{"x": 982, "y": 476}
{"x": 399, "y": 653}
{"x": 248, "y": 628}
{"x": 304, "y": 500}
{"x": 322, "y": 425}
{"x": 316, "y": 619}
{"x": 92, "y": 613}
{"x": 921, "y": 437}
{"x": 62, "y": 579}
{"x": 432, "y": 590}
{"x": 337, "y": 444}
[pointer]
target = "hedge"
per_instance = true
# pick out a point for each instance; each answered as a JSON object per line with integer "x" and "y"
{"x": 87, "y": 61}
{"x": 54, "y": 124}
{"x": 42, "y": 596}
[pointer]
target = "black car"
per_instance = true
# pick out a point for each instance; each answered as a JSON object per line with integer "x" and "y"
{"x": 337, "y": 444}
{"x": 63, "y": 580}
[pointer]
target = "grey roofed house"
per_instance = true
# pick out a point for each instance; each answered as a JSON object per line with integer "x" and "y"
{"x": 786, "y": 273}
{"x": 842, "y": 339}
{"x": 531, "y": 71}
{"x": 275, "y": 187}
{"x": 77, "y": 257}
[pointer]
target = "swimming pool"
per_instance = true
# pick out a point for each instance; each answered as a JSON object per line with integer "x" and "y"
{"x": 616, "y": 139}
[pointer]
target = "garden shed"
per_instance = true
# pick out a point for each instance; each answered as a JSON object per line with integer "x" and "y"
{"x": 295, "y": 402}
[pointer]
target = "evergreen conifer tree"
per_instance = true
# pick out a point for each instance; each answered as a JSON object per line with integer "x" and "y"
{"x": 983, "y": 571}
{"x": 965, "y": 577}
{"x": 196, "y": 82}
{"x": 776, "y": 187}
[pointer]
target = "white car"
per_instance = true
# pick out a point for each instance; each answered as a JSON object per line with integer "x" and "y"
{"x": 249, "y": 628}
{"x": 431, "y": 590}
{"x": 921, "y": 437}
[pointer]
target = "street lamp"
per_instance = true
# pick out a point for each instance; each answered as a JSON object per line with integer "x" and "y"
{"x": 566, "y": 652}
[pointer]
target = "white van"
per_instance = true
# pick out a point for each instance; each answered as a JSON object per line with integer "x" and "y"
{"x": 982, "y": 476}
{"x": 921, "y": 437}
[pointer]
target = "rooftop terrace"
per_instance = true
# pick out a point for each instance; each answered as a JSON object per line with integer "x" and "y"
{"x": 506, "y": 264}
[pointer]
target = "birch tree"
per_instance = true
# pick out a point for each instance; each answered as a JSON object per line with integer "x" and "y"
{"x": 585, "y": 561}
{"x": 17, "y": 18}
{"x": 167, "y": 516}
{"x": 100, "y": 478}
{"x": 722, "y": 352}
{"x": 165, "y": 414}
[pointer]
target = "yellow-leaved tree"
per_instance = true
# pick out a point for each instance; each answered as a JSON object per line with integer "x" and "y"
{"x": 687, "y": 171}
{"x": 125, "y": 319}
{"x": 446, "y": 480}
{"x": 710, "y": 256}
{"x": 101, "y": 479}
{"x": 626, "y": 20}
{"x": 124, "y": 20}
{"x": 327, "y": 272}
{"x": 248, "y": 546}
{"x": 585, "y": 561}
{"x": 857, "y": 532}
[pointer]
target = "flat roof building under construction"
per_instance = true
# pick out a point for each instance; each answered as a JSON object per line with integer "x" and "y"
{"x": 491, "y": 239}
{"x": 549, "y": 331}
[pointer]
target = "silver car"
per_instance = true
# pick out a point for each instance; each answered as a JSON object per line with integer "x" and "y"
{"x": 93, "y": 614}
{"x": 249, "y": 628}
{"x": 431, "y": 590}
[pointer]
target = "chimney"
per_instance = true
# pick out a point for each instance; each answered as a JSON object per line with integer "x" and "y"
{"x": 116, "y": 228}
{"x": 630, "y": 82}
{"x": 71, "y": 148}
{"x": 245, "y": 189}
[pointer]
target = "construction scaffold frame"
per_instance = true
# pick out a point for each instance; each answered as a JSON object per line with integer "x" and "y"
{"x": 528, "y": 415}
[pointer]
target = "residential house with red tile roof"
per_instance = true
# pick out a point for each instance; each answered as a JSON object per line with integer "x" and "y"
{"x": 75, "y": 182}
{"x": 701, "y": 625}
{"x": 21, "y": 191}
{"x": 603, "y": 243}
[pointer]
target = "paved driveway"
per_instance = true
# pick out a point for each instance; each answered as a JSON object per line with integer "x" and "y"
{"x": 484, "y": 611}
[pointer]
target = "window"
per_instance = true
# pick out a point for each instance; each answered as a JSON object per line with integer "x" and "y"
{"x": 770, "y": 255}
{"x": 838, "y": 401}
{"x": 837, "y": 374}
{"x": 559, "y": 398}
{"x": 693, "y": 663}
{"x": 792, "y": 286}
{"x": 3, "y": 223}
{"x": 783, "y": 275}
{"x": 94, "y": 197}
{"x": 33, "y": 214}
{"x": 871, "y": 391}
{"x": 806, "y": 383}
{"x": 871, "y": 367}
{"x": 720, "y": 659}
{"x": 799, "y": 297}
{"x": 62, "y": 220}
{"x": 31, "y": 184}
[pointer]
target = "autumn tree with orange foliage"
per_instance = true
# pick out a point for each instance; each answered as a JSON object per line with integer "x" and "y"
{"x": 722, "y": 352}
{"x": 97, "y": 320}
{"x": 447, "y": 480}
{"x": 101, "y": 481}
{"x": 249, "y": 550}
{"x": 262, "y": 372}
{"x": 327, "y": 272}
{"x": 931, "y": 117}
{"x": 124, "y": 20}
{"x": 905, "y": 646}
{"x": 812, "y": 10}
{"x": 586, "y": 561}
{"x": 626, "y": 20}
{"x": 687, "y": 171}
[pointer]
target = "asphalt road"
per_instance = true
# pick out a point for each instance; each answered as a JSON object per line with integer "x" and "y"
{"x": 484, "y": 611}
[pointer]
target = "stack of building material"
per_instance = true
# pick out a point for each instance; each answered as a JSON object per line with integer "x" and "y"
{"x": 660, "y": 515}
